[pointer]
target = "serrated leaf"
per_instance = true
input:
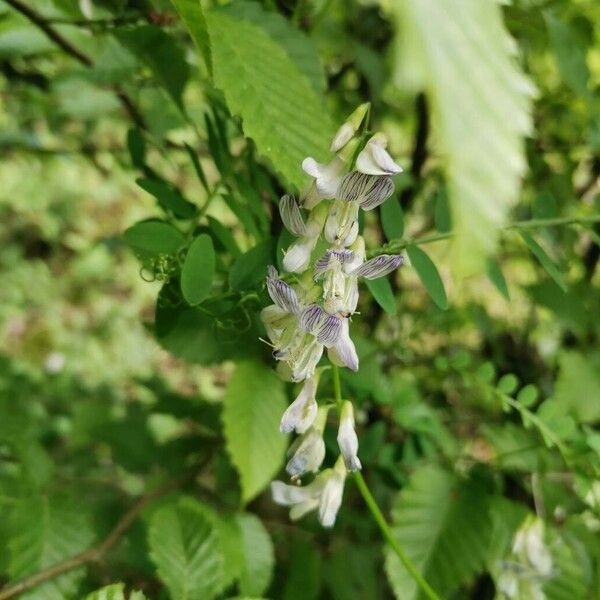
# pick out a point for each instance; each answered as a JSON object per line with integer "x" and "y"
{"x": 252, "y": 407}
{"x": 48, "y": 529}
{"x": 299, "y": 47}
{"x": 392, "y": 219}
{"x": 259, "y": 558}
{"x": 185, "y": 549}
{"x": 544, "y": 260}
{"x": 169, "y": 197}
{"x": 462, "y": 56}
{"x": 198, "y": 270}
{"x": 152, "y": 238}
{"x": 428, "y": 274}
{"x": 443, "y": 526}
{"x": 280, "y": 110}
{"x": 494, "y": 272}
{"x": 383, "y": 294}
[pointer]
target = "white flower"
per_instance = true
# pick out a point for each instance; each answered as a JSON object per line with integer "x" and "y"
{"x": 529, "y": 546}
{"x": 343, "y": 352}
{"x": 301, "y": 413}
{"x": 298, "y": 333}
{"x": 301, "y": 499}
{"x": 347, "y": 439}
{"x": 308, "y": 451}
{"x": 327, "y": 180}
{"x": 331, "y": 496}
{"x": 355, "y": 191}
{"x": 374, "y": 158}
{"x": 297, "y": 256}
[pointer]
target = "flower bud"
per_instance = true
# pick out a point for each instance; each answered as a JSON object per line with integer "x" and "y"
{"x": 331, "y": 496}
{"x": 347, "y": 439}
{"x": 301, "y": 413}
{"x": 308, "y": 451}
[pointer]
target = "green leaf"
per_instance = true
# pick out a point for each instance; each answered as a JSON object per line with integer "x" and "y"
{"x": 152, "y": 238}
{"x": 442, "y": 217}
{"x": 507, "y": 384}
{"x": 224, "y": 236}
{"x": 298, "y": 46}
{"x": 392, "y": 219}
{"x": 185, "y": 549}
{"x": 192, "y": 16}
{"x": 161, "y": 53}
{"x": 383, "y": 294}
{"x": 169, "y": 197}
{"x": 136, "y": 144}
{"x": 570, "y": 54}
{"x": 116, "y": 591}
{"x": 259, "y": 558}
{"x": 46, "y": 531}
{"x": 198, "y": 270}
{"x": 251, "y": 267}
{"x": 428, "y": 274}
{"x": 280, "y": 110}
{"x": 462, "y": 56}
{"x": 252, "y": 408}
{"x": 577, "y": 384}
{"x": 528, "y": 396}
{"x": 494, "y": 272}
{"x": 442, "y": 523}
{"x": 544, "y": 260}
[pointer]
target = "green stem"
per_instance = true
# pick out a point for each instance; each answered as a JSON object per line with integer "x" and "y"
{"x": 395, "y": 246}
{"x": 376, "y": 511}
{"x": 387, "y": 534}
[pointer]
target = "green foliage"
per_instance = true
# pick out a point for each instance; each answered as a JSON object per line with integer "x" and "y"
{"x": 280, "y": 110}
{"x": 114, "y": 592}
{"x": 428, "y": 274}
{"x": 484, "y": 163}
{"x": 46, "y": 530}
{"x": 253, "y": 405}
{"x": 184, "y": 546}
{"x": 198, "y": 270}
{"x": 443, "y": 525}
{"x": 383, "y": 294}
{"x": 259, "y": 559}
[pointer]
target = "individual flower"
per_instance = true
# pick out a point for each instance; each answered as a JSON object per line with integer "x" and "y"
{"x": 356, "y": 191}
{"x": 347, "y": 439}
{"x": 529, "y": 546}
{"x": 301, "y": 413}
{"x": 307, "y": 452}
{"x": 297, "y": 256}
{"x": 324, "y": 493}
{"x": 374, "y": 158}
{"x": 343, "y": 352}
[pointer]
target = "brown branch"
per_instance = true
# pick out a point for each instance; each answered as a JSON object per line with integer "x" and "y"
{"x": 64, "y": 44}
{"x": 97, "y": 553}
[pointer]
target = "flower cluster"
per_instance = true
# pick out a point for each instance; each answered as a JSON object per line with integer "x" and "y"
{"x": 313, "y": 313}
{"x": 530, "y": 565}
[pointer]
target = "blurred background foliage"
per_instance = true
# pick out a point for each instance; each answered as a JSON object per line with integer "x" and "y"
{"x": 479, "y": 397}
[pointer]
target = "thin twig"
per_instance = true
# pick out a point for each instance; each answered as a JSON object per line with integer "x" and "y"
{"x": 64, "y": 44}
{"x": 96, "y": 553}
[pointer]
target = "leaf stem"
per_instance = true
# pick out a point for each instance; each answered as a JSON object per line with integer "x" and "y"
{"x": 376, "y": 511}
{"x": 395, "y": 246}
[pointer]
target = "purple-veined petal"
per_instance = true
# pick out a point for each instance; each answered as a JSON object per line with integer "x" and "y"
{"x": 368, "y": 190}
{"x": 291, "y": 216}
{"x": 282, "y": 294}
{"x": 341, "y": 255}
{"x": 343, "y": 352}
{"x": 325, "y": 327}
{"x": 379, "y": 266}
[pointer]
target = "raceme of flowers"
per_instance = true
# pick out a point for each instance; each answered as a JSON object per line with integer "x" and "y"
{"x": 312, "y": 314}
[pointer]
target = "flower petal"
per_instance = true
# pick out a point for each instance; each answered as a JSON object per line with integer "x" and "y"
{"x": 368, "y": 190}
{"x": 343, "y": 352}
{"x": 325, "y": 327}
{"x": 297, "y": 257}
{"x": 341, "y": 255}
{"x": 374, "y": 159}
{"x": 331, "y": 498}
{"x": 301, "y": 413}
{"x": 379, "y": 266}
{"x": 281, "y": 292}
{"x": 291, "y": 216}
{"x": 347, "y": 439}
